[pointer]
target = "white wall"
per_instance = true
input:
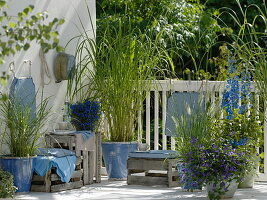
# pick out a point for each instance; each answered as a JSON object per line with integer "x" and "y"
{"x": 68, "y": 10}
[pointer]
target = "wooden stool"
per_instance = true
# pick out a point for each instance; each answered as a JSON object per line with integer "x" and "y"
{"x": 160, "y": 169}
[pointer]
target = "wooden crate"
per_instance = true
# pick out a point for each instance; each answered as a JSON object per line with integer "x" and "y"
{"x": 88, "y": 164}
{"x": 152, "y": 171}
{"x": 51, "y": 181}
{"x": 91, "y": 158}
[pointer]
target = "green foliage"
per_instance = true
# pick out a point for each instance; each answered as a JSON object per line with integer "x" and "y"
{"x": 194, "y": 125}
{"x": 187, "y": 31}
{"x": 241, "y": 126}
{"x": 7, "y": 188}
{"x": 234, "y": 8}
{"x": 21, "y": 130}
{"x": 117, "y": 71}
{"x": 124, "y": 66}
{"x": 17, "y": 32}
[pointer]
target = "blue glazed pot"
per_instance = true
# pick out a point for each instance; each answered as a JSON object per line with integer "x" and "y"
{"x": 21, "y": 169}
{"x": 187, "y": 183}
{"x": 115, "y": 156}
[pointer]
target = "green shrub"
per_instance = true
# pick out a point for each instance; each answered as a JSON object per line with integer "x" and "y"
{"x": 7, "y": 188}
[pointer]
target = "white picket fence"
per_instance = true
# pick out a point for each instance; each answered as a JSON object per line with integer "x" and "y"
{"x": 157, "y": 99}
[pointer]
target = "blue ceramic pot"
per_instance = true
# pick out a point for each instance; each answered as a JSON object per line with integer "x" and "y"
{"x": 115, "y": 156}
{"x": 187, "y": 180}
{"x": 21, "y": 169}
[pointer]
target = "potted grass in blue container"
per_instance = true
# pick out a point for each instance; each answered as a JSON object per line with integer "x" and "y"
{"x": 119, "y": 68}
{"x": 21, "y": 135}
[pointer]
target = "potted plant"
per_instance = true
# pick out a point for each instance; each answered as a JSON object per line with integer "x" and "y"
{"x": 116, "y": 70}
{"x": 7, "y": 188}
{"x": 241, "y": 125}
{"x": 192, "y": 130}
{"x": 21, "y": 132}
{"x": 124, "y": 67}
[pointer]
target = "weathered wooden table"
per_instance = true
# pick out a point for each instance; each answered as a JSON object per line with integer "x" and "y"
{"x": 152, "y": 169}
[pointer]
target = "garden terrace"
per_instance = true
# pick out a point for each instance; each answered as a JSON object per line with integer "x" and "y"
{"x": 71, "y": 99}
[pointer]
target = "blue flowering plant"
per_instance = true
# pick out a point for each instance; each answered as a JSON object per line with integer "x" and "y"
{"x": 216, "y": 163}
{"x": 240, "y": 123}
{"x": 192, "y": 129}
{"x": 85, "y": 115}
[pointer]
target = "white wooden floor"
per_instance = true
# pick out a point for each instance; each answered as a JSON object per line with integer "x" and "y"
{"x": 119, "y": 190}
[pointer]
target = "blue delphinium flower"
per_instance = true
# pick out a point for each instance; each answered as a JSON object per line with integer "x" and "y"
{"x": 84, "y": 116}
{"x": 235, "y": 94}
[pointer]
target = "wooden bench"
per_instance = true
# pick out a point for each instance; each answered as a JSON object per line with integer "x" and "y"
{"x": 150, "y": 168}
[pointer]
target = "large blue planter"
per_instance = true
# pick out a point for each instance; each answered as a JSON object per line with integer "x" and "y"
{"x": 115, "y": 156}
{"x": 21, "y": 169}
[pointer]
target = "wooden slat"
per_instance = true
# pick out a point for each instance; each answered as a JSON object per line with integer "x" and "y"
{"x": 164, "y": 108}
{"x": 38, "y": 188}
{"x": 98, "y": 157}
{"x": 91, "y": 166}
{"x": 156, "y": 121}
{"x": 180, "y": 85}
{"x": 36, "y": 177}
{"x": 172, "y": 143}
{"x": 86, "y": 168}
{"x": 78, "y": 160}
{"x": 147, "y": 180}
{"x": 140, "y": 126}
{"x": 142, "y": 164}
{"x": 66, "y": 186}
{"x": 148, "y": 119}
{"x": 76, "y": 174}
{"x": 220, "y": 101}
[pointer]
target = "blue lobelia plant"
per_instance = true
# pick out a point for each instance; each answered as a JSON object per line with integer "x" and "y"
{"x": 85, "y": 115}
{"x": 217, "y": 164}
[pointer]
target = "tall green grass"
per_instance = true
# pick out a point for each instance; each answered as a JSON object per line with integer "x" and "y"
{"x": 117, "y": 70}
{"x": 22, "y": 129}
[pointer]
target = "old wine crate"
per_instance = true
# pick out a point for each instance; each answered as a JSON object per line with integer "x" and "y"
{"x": 88, "y": 163}
{"x": 152, "y": 171}
{"x": 51, "y": 181}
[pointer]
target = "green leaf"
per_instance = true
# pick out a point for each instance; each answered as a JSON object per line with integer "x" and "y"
{"x": 26, "y": 46}
{"x": 12, "y": 25}
{"x": 61, "y": 21}
{"x": 2, "y": 3}
{"x": 54, "y": 34}
{"x": 1, "y": 61}
{"x": 18, "y": 47}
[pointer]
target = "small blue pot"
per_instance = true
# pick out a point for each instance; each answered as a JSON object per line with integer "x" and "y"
{"x": 115, "y": 156}
{"x": 21, "y": 169}
{"x": 188, "y": 183}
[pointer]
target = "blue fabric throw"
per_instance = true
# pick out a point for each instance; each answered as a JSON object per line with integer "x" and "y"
{"x": 63, "y": 160}
{"x": 178, "y": 104}
{"x": 86, "y": 134}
